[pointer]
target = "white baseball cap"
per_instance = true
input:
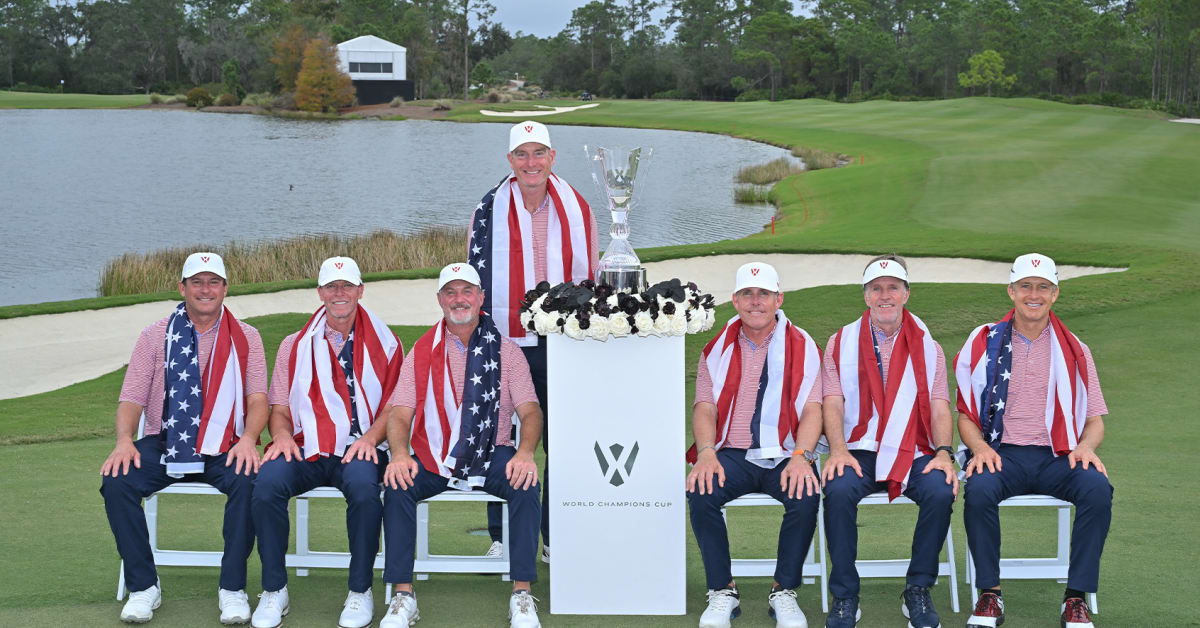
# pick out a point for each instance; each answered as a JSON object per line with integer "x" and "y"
{"x": 757, "y": 275}
{"x": 203, "y": 262}
{"x": 884, "y": 268}
{"x": 458, "y": 270}
{"x": 1033, "y": 265}
{"x": 528, "y": 131}
{"x": 336, "y": 268}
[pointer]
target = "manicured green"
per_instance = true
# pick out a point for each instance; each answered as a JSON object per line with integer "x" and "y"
{"x": 982, "y": 178}
{"x": 30, "y": 100}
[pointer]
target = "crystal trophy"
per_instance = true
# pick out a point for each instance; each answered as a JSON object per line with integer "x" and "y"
{"x": 615, "y": 170}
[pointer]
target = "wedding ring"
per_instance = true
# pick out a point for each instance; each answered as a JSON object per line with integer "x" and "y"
{"x": 529, "y": 473}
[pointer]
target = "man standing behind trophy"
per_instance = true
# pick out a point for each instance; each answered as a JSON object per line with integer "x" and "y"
{"x": 887, "y": 419}
{"x": 531, "y": 227}
{"x": 756, "y": 420}
{"x": 454, "y": 406}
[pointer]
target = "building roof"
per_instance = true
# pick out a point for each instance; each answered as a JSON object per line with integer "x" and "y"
{"x": 371, "y": 43}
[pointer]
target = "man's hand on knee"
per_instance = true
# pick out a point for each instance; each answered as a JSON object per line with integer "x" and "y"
{"x": 122, "y": 455}
{"x": 701, "y": 477}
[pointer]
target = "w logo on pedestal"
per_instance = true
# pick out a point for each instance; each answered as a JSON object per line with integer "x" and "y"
{"x": 610, "y": 466}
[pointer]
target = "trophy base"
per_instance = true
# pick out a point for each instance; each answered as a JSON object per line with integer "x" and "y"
{"x": 624, "y": 279}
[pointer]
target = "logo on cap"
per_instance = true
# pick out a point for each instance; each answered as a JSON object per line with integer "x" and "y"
{"x": 529, "y": 128}
{"x": 883, "y": 264}
{"x": 337, "y": 265}
{"x": 1036, "y": 263}
{"x": 754, "y": 271}
{"x": 455, "y": 268}
{"x": 204, "y": 258}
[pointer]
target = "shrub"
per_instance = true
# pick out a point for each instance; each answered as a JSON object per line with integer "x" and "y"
{"x": 226, "y": 100}
{"x": 494, "y": 96}
{"x": 520, "y": 96}
{"x": 259, "y": 99}
{"x": 673, "y": 94}
{"x": 396, "y": 102}
{"x": 753, "y": 94}
{"x": 285, "y": 101}
{"x": 156, "y": 99}
{"x": 442, "y": 104}
{"x": 199, "y": 97}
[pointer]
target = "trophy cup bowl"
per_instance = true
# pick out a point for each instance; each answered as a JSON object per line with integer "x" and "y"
{"x": 615, "y": 171}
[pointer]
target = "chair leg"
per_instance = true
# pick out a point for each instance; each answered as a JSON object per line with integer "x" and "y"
{"x": 953, "y": 570}
{"x": 1095, "y": 605}
{"x": 301, "y": 532}
{"x": 121, "y": 582}
{"x": 971, "y": 578}
{"x": 823, "y": 555}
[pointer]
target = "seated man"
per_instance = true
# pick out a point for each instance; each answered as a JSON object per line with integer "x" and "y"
{"x": 1030, "y": 417}
{"x": 756, "y": 420}
{"x": 455, "y": 406}
{"x": 199, "y": 378}
{"x": 887, "y": 419}
{"x": 331, "y": 381}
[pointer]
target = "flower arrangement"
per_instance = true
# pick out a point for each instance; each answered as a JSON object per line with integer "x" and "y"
{"x": 588, "y": 310}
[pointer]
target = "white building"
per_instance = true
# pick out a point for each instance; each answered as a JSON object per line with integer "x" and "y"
{"x": 369, "y": 58}
{"x": 377, "y": 69}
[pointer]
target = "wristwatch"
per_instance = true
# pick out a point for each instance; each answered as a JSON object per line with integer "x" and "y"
{"x": 810, "y": 456}
{"x": 946, "y": 448}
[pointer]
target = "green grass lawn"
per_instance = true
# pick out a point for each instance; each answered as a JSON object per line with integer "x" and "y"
{"x": 984, "y": 178}
{"x": 30, "y": 100}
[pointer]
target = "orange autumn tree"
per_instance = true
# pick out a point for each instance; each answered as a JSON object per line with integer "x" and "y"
{"x": 320, "y": 85}
{"x": 287, "y": 54}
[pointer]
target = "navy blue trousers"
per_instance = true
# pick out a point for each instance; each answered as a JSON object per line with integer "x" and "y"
{"x": 279, "y": 480}
{"x": 934, "y": 498}
{"x": 741, "y": 478}
{"x": 536, "y": 356}
{"x": 123, "y": 504}
{"x": 400, "y": 520}
{"x": 1033, "y": 469}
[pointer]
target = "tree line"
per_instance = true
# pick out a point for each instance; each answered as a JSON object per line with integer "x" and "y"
{"x": 1139, "y": 52}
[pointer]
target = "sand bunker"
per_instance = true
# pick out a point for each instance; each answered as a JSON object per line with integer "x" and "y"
{"x": 542, "y": 110}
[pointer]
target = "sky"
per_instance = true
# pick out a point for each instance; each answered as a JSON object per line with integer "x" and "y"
{"x": 543, "y": 18}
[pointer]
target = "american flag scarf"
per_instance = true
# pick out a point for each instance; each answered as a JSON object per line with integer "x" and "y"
{"x": 984, "y": 366}
{"x": 892, "y": 421}
{"x": 503, "y": 253}
{"x": 792, "y": 367}
{"x": 335, "y": 398}
{"x": 455, "y": 444}
{"x": 202, "y": 412}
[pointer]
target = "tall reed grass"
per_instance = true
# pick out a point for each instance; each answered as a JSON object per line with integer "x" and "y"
{"x": 751, "y": 194}
{"x": 817, "y": 159}
{"x": 291, "y": 258}
{"x": 770, "y": 172}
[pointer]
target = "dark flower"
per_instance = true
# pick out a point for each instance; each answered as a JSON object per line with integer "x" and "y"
{"x": 668, "y": 308}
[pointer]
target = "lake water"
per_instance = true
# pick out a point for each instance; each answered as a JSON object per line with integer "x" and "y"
{"x": 78, "y": 188}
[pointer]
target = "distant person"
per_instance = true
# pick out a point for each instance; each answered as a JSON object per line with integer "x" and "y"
{"x": 756, "y": 421}
{"x": 534, "y": 226}
{"x": 459, "y": 392}
{"x": 1031, "y": 417}
{"x": 889, "y": 427}
{"x": 329, "y": 390}
{"x": 198, "y": 379}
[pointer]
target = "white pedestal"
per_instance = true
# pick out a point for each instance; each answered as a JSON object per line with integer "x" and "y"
{"x": 617, "y": 526}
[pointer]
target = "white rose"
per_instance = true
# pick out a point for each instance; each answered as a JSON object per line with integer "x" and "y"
{"x": 544, "y": 323}
{"x": 696, "y": 324}
{"x": 644, "y": 323}
{"x": 710, "y": 317}
{"x": 572, "y": 328}
{"x": 537, "y": 304}
{"x": 526, "y": 316}
{"x": 598, "y": 329}
{"x": 662, "y": 325}
{"x": 612, "y": 301}
{"x": 618, "y": 325}
{"x": 679, "y": 324}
